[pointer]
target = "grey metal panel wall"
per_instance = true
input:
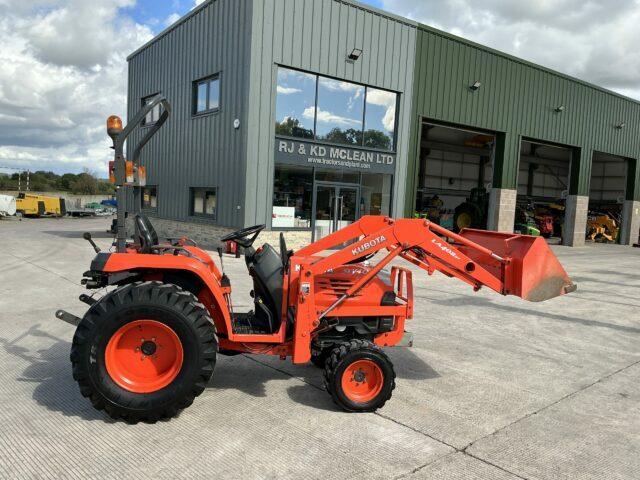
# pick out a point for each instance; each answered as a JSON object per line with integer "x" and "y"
{"x": 197, "y": 151}
{"x": 317, "y": 35}
{"x": 518, "y": 98}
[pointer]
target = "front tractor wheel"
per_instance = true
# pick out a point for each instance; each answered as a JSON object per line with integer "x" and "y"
{"x": 319, "y": 357}
{"x": 359, "y": 376}
{"x": 144, "y": 352}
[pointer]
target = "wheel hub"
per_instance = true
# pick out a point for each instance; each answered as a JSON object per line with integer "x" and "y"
{"x": 148, "y": 348}
{"x": 362, "y": 381}
{"x": 144, "y": 356}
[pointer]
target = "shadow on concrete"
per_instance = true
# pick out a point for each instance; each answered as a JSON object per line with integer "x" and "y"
{"x": 312, "y": 397}
{"x": 405, "y": 362}
{"x": 580, "y": 279}
{"x": 78, "y": 233}
{"x": 246, "y": 377}
{"x": 604, "y": 297}
{"x": 251, "y": 377}
{"x": 409, "y": 366}
{"x": 50, "y": 369}
{"x": 630, "y": 276}
{"x": 250, "y": 374}
{"x": 467, "y": 301}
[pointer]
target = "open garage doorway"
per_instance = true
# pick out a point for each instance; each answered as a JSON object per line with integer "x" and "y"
{"x": 606, "y": 197}
{"x": 455, "y": 173}
{"x": 543, "y": 186}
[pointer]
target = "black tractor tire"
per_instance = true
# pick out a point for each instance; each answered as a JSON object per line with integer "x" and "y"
{"x": 338, "y": 364}
{"x": 472, "y": 215}
{"x": 319, "y": 357}
{"x": 167, "y": 304}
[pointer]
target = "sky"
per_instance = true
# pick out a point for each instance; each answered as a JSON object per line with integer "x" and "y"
{"x": 340, "y": 104}
{"x": 64, "y": 61}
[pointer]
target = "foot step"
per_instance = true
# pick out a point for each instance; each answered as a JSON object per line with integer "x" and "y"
{"x": 249, "y": 324}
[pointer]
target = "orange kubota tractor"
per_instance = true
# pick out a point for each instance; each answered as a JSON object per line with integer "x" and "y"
{"x": 148, "y": 347}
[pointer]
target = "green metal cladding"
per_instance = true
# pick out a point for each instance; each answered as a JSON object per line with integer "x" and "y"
{"x": 517, "y": 99}
{"x": 244, "y": 41}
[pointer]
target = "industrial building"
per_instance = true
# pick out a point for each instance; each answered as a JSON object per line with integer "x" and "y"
{"x": 305, "y": 115}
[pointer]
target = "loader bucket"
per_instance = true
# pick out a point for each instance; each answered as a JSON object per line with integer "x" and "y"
{"x": 531, "y": 272}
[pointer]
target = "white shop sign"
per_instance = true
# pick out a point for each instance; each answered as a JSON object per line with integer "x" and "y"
{"x": 283, "y": 217}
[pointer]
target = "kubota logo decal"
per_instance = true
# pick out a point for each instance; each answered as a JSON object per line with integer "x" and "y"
{"x": 445, "y": 248}
{"x": 367, "y": 245}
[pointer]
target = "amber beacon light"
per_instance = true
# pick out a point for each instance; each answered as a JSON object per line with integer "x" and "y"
{"x": 114, "y": 125}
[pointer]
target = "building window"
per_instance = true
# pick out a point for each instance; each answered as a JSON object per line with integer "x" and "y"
{"x": 154, "y": 115}
{"x": 206, "y": 93}
{"x": 296, "y": 103}
{"x": 293, "y": 193}
{"x": 150, "y": 198}
{"x": 203, "y": 202}
{"x": 292, "y": 197}
{"x": 380, "y": 119}
{"x": 335, "y": 111}
{"x": 375, "y": 194}
{"x": 340, "y": 112}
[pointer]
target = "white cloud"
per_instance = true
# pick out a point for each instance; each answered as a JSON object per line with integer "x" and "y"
{"x": 328, "y": 117}
{"x": 382, "y": 98}
{"x": 389, "y": 119}
{"x": 339, "y": 86}
{"x": 171, "y": 19}
{"x": 594, "y": 40}
{"x": 63, "y": 73}
{"x": 387, "y": 100}
{"x": 282, "y": 90}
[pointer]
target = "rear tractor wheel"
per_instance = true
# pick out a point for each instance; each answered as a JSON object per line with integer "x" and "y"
{"x": 144, "y": 352}
{"x": 359, "y": 376}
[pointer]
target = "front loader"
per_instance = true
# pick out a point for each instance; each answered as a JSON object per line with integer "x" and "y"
{"x": 148, "y": 347}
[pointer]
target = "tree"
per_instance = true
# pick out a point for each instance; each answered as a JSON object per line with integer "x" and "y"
{"x": 351, "y": 136}
{"x": 41, "y": 181}
{"x": 5, "y": 181}
{"x": 372, "y": 138}
{"x": 290, "y": 127}
{"x": 377, "y": 139}
{"x": 65, "y": 181}
{"x": 85, "y": 184}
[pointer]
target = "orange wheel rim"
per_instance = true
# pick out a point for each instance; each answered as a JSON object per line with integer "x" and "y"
{"x": 144, "y": 356}
{"x": 362, "y": 381}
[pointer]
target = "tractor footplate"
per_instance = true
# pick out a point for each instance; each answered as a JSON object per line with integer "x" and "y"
{"x": 249, "y": 324}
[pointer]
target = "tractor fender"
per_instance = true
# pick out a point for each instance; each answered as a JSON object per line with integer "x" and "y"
{"x": 211, "y": 294}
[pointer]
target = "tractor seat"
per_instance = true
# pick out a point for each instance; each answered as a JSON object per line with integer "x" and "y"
{"x": 145, "y": 235}
{"x": 265, "y": 267}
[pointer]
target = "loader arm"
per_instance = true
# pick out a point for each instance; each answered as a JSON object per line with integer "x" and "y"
{"x": 509, "y": 264}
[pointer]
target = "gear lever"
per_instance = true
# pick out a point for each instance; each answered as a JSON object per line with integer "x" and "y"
{"x": 87, "y": 237}
{"x": 224, "y": 281}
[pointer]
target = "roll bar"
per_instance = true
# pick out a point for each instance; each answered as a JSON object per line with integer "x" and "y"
{"x": 120, "y": 160}
{"x": 118, "y": 143}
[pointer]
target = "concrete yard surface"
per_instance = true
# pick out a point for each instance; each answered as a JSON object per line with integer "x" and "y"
{"x": 494, "y": 387}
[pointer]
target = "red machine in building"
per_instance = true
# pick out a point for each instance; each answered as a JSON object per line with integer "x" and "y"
{"x": 148, "y": 347}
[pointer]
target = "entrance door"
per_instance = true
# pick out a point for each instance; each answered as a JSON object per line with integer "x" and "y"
{"x": 335, "y": 206}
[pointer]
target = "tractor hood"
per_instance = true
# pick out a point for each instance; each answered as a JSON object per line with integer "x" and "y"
{"x": 334, "y": 283}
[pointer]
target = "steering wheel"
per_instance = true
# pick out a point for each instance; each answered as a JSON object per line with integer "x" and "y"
{"x": 240, "y": 236}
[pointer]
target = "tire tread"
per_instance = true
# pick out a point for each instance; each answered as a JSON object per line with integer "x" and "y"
{"x": 165, "y": 295}
{"x": 338, "y": 354}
